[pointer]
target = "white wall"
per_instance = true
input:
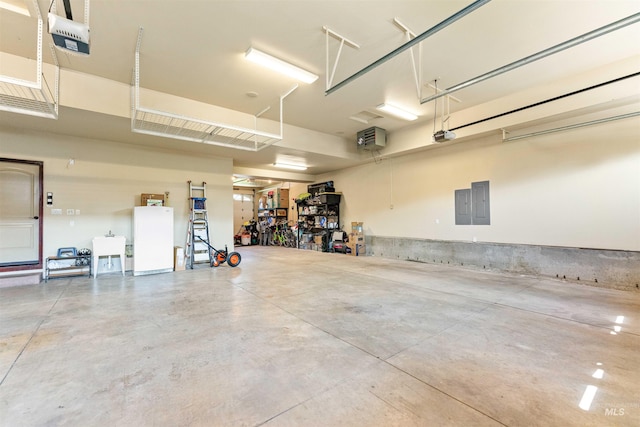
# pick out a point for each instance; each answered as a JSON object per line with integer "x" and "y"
{"x": 578, "y": 188}
{"x": 106, "y": 182}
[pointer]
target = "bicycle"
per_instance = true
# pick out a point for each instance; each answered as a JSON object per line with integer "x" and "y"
{"x": 290, "y": 239}
{"x": 278, "y": 235}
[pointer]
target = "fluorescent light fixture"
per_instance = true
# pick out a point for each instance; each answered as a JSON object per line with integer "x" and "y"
{"x": 290, "y": 166}
{"x": 254, "y": 55}
{"x": 398, "y": 112}
{"x": 15, "y": 6}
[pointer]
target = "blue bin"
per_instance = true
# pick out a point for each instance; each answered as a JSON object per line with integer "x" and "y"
{"x": 198, "y": 202}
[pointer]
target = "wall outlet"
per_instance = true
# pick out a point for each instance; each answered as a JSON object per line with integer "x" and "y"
{"x": 77, "y": 211}
{"x": 71, "y": 211}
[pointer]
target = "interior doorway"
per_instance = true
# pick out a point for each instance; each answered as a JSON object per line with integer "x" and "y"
{"x": 20, "y": 214}
{"x": 243, "y": 208}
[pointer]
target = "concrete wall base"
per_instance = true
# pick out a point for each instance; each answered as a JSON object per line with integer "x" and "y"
{"x": 596, "y": 267}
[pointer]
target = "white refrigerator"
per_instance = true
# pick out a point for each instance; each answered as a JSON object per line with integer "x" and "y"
{"x": 152, "y": 240}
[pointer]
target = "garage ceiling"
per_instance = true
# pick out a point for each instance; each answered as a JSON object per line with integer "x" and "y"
{"x": 194, "y": 49}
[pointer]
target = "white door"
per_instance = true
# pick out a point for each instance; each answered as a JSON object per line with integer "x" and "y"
{"x": 242, "y": 209}
{"x": 19, "y": 213}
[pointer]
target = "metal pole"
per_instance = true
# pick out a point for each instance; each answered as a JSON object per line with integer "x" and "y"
{"x": 450, "y": 20}
{"x": 575, "y": 126}
{"x": 542, "y": 54}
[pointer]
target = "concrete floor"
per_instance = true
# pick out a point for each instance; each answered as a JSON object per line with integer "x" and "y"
{"x": 300, "y": 338}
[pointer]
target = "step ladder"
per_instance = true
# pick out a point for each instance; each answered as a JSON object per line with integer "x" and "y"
{"x": 198, "y": 248}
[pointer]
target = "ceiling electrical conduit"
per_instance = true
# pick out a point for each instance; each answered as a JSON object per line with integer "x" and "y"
{"x": 431, "y": 31}
{"x": 574, "y": 126}
{"x": 632, "y": 19}
{"x": 555, "y": 98}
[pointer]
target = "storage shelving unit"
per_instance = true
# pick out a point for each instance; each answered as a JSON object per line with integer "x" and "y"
{"x": 318, "y": 217}
{"x": 274, "y": 204}
{"x": 277, "y": 213}
{"x": 81, "y": 265}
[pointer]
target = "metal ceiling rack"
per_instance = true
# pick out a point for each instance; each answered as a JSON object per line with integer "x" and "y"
{"x": 35, "y": 98}
{"x": 170, "y": 125}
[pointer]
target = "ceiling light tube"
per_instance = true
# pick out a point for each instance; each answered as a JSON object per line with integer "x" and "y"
{"x": 398, "y": 112}
{"x": 280, "y": 66}
{"x": 290, "y": 166}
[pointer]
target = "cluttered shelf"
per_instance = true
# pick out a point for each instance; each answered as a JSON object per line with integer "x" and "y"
{"x": 318, "y": 217}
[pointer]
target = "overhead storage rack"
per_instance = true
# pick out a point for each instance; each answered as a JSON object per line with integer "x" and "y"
{"x": 170, "y": 125}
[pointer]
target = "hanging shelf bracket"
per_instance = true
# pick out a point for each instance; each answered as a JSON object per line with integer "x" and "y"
{"x": 415, "y": 63}
{"x": 416, "y": 40}
{"x": 34, "y": 98}
{"x": 343, "y": 41}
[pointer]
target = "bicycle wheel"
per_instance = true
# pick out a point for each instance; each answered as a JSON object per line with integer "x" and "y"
{"x": 234, "y": 259}
{"x": 290, "y": 241}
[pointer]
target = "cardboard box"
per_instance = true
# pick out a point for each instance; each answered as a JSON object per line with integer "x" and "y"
{"x": 283, "y": 198}
{"x": 357, "y": 249}
{"x": 278, "y": 198}
{"x": 152, "y": 200}
{"x": 357, "y": 227}
{"x": 179, "y": 261}
{"x": 356, "y": 244}
{"x": 317, "y": 240}
{"x": 356, "y": 238}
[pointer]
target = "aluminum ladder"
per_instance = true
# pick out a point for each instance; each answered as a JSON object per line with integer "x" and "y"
{"x": 198, "y": 248}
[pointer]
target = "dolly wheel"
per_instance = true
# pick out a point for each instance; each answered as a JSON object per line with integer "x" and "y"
{"x": 220, "y": 256}
{"x": 215, "y": 262}
{"x": 234, "y": 259}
